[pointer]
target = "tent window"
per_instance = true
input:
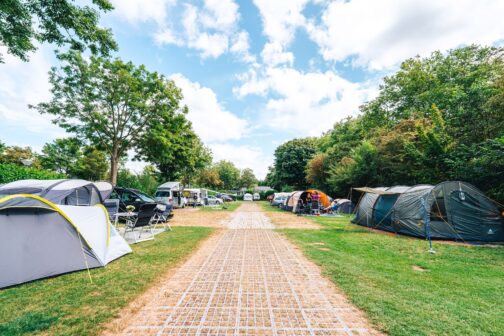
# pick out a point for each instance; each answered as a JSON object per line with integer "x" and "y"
{"x": 438, "y": 208}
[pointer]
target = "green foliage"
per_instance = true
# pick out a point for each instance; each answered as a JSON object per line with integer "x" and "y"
{"x": 16, "y": 154}
{"x": 290, "y": 163}
{"x": 61, "y": 155}
{"x": 23, "y": 24}
{"x": 438, "y": 118}
{"x": 209, "y": 178}
{"x": 92, "y": 165}
{"x": 247, "y": 178}
{"x": 146, "y": 181}
{"x": 10, "y": 172}
{"x": 110, "y": 103}
{"x": 228, "y": 174}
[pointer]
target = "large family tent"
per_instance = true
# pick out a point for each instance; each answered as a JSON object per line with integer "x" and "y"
{"x": 324, "y": 199}
{"x": 40, "y": 239}
{"x": 292, "y": 200}
{"x": 452, "y": 210}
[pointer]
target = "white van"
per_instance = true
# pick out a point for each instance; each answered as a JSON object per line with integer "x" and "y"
{"x": 172, "y": 193}
{"x": 248, "y": 197}
{"x": 197, "y": 196}
{"x": 257, "y": 197}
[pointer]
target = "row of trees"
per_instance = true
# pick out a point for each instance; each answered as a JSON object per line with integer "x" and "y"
{"x": 438, "y": 118}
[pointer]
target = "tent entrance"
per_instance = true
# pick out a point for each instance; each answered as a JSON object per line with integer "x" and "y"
{"x": 383, "y": 211}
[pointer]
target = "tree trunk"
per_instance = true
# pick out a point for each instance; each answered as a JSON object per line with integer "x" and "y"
{"x": 114, "y": 166}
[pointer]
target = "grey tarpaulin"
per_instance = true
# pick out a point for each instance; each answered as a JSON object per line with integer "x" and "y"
{"x": 455, "y": 210}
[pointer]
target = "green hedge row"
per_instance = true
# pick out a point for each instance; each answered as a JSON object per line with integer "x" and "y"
{"x": 11, "y": 172}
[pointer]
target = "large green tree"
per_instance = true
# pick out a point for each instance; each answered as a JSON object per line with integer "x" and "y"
{"x": 228, "y": 174}
{"x": 19, "y": 156}
{"x": 110, "y": 103}
{"x": 209, "y": 177}
{"x": 24, "y": 23}
{"x": 61, "y": 155}
{"x": 291, "y": 159}
{"x": 92, "y": 164}
{"x": 173, "y": 147}
{"x": 247, "y": 178}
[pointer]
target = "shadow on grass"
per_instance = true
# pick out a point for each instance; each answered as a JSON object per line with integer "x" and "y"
{"x": 28, "y": 323}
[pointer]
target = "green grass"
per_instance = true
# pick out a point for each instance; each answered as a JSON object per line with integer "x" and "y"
{"x": 266, "y": 206}
{"x": 71, "y": 305}
{"x": 461, "y": 291}
{"x": 230, "y": 206}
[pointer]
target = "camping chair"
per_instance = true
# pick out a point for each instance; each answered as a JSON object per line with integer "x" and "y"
{"x": 315, "y": 208}
{"x": 143, "y": 220}
{"x": 112, "y": 206}
{"x": 162, "y": 217}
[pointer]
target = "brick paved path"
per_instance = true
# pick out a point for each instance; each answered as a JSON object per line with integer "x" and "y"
{"x": 248, "y": 280}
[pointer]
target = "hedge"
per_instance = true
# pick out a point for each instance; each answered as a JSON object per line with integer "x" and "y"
{"x": 11, "y": 172}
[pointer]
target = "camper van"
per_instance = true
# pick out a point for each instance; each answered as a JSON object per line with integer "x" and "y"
{"x": 248, "y": 197}
{"x": 198, "y": 196}
{"x": 257, "y": 197}
{"x": 172, "y": 193}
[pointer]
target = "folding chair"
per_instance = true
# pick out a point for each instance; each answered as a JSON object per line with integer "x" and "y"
{"x": 112, "y": 206}
{"x": 162, "y": 217}
{"x": 315, "y": 208}
{"x": 143, "y": 220}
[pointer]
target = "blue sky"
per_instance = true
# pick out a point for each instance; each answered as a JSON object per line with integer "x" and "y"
{"x": 257, "y": 73}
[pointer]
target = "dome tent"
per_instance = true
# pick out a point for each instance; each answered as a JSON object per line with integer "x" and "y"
{"x": 453, "y": 210}
{"x": 292, "y": 200}
{"x": 324, "y": 199}
{"x": 344, "y": 206}
{"x": 67, "y": 192}
{"x": 41, "y": 239}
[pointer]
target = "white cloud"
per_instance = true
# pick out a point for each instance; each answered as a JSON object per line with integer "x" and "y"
{"x": 306, "y": 104}
{"x": 135, "y": 11}
{"x": 273, "y": 55}
{"x": 24, "y": 83}
{"x": 211, "y": 121}
{"x": 381, "y": 34}
{"x": 212, "y": 30}
{"x": 243, "y": 156}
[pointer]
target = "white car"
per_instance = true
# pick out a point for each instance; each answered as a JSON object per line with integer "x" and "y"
{"x": 247, "y": 197}
{"x": 212, "y": 200}
{"x": 257, "y": 197}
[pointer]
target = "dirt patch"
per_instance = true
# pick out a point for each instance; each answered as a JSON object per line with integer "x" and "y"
{"x": 287, "y": 220}
{"x": 419, "y": 269}
{"x": 195, "y": 217}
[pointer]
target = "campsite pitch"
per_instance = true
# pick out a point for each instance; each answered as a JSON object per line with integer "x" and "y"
{"x": 247, "y": 280}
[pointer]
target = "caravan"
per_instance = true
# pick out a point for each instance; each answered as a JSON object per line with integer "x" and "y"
{"x": 172, "y": 193}
{"x": 196, "y": 196}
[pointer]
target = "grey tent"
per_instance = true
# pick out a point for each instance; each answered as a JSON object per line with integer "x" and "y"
{"x": 452, "y": 210}
{"x": 41, "y": 239}
{"x": 344, "y": 206}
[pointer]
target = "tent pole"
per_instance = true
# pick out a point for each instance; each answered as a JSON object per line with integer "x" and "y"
{"x": 427, "y": 229}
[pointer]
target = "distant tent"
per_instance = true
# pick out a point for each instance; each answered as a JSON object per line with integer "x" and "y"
{"x": 40, "y": 239}
{"x": 324, "y": 199}
{"x": 292, "y": 200}
{"x": 453, "y": 210}
{"x": 344, "y": 206}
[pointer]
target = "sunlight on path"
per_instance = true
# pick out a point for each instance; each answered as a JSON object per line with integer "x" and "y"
{"x": 248, "y": 281}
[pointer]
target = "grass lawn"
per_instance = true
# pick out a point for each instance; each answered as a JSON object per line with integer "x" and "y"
{"x": 71, "y": 305}
{"x": 404, "y": 289}
{"x": 230, "y": 206}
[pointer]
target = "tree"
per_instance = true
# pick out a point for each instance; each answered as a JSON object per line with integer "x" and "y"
{"x": 110, "y": 103}
{"x": 247, "y": 178}
{"x": 16, "y": 155}
{"x": 173, "y": 147}
{"x": 61, "y": 155}
{"x": 291, "y": 159}
{"x": 459, "y": 83}
{"x": 317, "y": 170}
{"x": 228, "y": 174}
{"x": 2, "y": 148}
{"x": 60, "y": 22}
{"x": 92, "y": 165}
{"x": 209, "y": 177}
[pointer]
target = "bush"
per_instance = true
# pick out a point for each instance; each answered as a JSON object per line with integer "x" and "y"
{"x": 10, "y": 172}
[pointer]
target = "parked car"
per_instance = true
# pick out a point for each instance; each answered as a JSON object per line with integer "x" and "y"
{"x": 212, "y": 200}
{"x": 257, "y": 197}
{"x": 278, "y": 200}
{"x": 225, "y": 198}
{"x": 248, "y": 197}
{"x": 134, "y": 197}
